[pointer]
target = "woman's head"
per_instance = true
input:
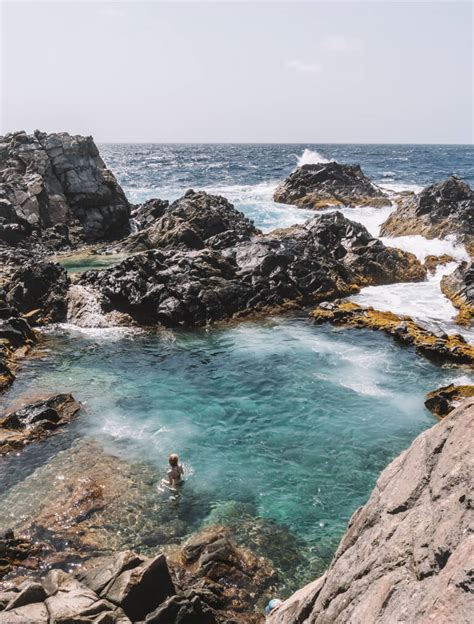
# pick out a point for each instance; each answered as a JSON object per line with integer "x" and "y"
{"x": 173, "y": 459}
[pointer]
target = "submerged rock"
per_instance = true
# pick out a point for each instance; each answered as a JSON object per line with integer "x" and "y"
{"x": 407, "y": 554}
{"x": 445, "y": 348}
{"x": 194, "y": 221}
{"x": 327, "y": 257}
{"x": 220, "y": 583}
{"x": 439, "y": 210}
{"x": 328, "y": 184}
{"x": 36, "y": 421}
{"x": 459, "y": 288}
{"x": 444, "y": 400}
{"x": 58, "y": 181}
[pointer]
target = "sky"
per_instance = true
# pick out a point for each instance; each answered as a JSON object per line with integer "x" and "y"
{"x": 312, "y": 72}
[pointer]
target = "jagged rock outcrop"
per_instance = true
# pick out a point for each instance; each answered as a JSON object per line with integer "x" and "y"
{"x": 36, "y": 421}
{"x": 439, "y": 347}
{"x": 439, "y": 210}
{"x": 16, "y": 336}
{"x": 407, "y": 554}
{"x": 444, "y": 400}
{"x": 38, "y": 289}
{"x": 327, "y": 257}
{"x": 459, "y": 288}
{"x": 195, "y": 221}
{"x": 57, "y": 185}
{"x": 144, "y": 215}
{"x": 207, "y": 581}
{"x": 327, "y": 184}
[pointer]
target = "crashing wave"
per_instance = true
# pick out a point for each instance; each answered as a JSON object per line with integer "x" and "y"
{"x": 311, "y": 157}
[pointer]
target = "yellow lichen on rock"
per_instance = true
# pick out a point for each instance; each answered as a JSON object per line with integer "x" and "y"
{"x": 444, "y": 400}
{"x": 452, "y": 348}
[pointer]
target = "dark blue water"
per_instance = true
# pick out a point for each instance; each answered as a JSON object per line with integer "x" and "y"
{"x": 247, "y": 174}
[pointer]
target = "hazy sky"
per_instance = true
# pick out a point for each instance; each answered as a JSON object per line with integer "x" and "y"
{"x": 240, "y": 71}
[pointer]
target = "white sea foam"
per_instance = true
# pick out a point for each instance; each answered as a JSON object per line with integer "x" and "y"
{"x": 311, "y": 157}
{"x": 399, "y": 187}
{"x": 371, "y": 218}
{"x": 423, "y": 247}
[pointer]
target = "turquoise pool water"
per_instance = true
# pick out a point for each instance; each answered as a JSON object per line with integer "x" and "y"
{"x": 293, "y": 421}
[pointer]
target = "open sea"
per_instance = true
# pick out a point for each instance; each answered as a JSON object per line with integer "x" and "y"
{"x": 290, "y": 422}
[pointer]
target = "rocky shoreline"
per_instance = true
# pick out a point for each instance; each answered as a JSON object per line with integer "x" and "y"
{"x": 195, "y": 262}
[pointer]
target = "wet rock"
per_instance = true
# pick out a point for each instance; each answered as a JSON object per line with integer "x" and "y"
{"x": 40, "y": 287}
{"x": 182, "y": 610}
{"x": 36, "y": 421}
{"x": 406, "y": 554}
{"x": 432, "y": 263}
{"x": 59, "y": 180}
{"x": 444, "y": 400}
{"x": 459, "y": 288}
{"x": 194, "y": 221}
{"x": 229, "y": 578}
{"x": 439, "y": 210}
{"x": 329, "y": 184}
{"x": 440, "y": 348}
{"x": 16, "y": 336}
{"x": 327, "y": 257}
{"x": 14, "y": 551}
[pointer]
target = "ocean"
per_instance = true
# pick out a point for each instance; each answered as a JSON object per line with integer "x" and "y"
{"x": 280, "y": 421}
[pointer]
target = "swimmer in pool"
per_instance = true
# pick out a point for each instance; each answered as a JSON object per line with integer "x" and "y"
{"x": 175, "y": 471}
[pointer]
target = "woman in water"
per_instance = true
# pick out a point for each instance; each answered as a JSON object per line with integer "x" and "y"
{"x": 175, "y": 471}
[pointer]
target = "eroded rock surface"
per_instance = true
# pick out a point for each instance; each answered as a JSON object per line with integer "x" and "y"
{"x": 439, "y": 210}
{"x": 438, "y": 347}
{"x": 36, "y": 421}
{"x": 327, "y": 184}
{"x": 57, "y": 186}
{"x": 209, "y": 580}
{"x": 194, "y": 221}
{"x": 407, "y": 554}
{"x": 16, "y": 336}
{"x": 37, "y": 289}
{"x": 444, "y": 400}
{"x": 326, "y": 257}
{"x": 459, "y": 288}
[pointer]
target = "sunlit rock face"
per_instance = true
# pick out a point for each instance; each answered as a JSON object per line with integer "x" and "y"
{"x": 405, "y": 555}
{"x": 58, "y": 186}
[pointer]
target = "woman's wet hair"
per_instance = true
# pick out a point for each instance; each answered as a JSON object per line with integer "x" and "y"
{"x": 173, "y": 459}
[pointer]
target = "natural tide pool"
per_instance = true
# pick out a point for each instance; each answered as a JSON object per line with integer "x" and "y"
{"x": 292, "y": 420}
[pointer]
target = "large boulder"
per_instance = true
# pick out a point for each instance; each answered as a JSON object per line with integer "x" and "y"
{"x": 329, "y": 184}
{"x": 38, "y": 289}
{"x": 439, "y": 210}
{"x": 407, "y": 554}
{"x": 59, "y": 180}
{"x": 459, "y": 288}
{"x": 194, "y": 221}
{"x": 327, "y": 257}
{"x": 36, "y": 421}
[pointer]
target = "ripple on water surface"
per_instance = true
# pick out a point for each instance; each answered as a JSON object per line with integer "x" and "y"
{"x": 294, "y": 420}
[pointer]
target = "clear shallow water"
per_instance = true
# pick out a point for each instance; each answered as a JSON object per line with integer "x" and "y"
{"x": 296, "y": 421}
{"x": 293, "y": 421}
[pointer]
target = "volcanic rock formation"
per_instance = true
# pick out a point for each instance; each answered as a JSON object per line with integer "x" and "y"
{"x": 329, "y": 184}
{"x": 56, "y": 186}
{"x": 439, "y": 210}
